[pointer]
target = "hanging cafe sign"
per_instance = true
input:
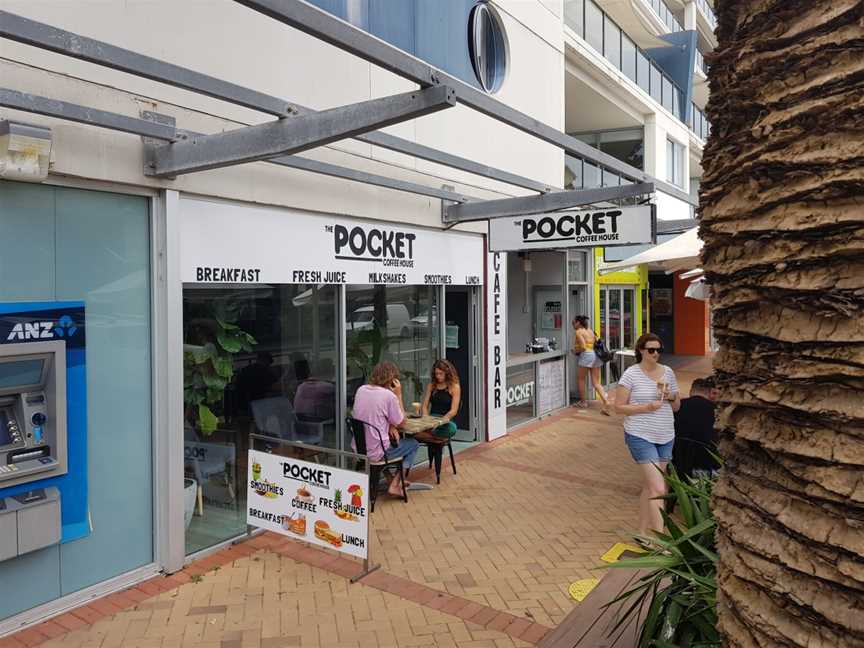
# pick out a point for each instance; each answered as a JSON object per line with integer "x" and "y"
{"x": 586, "y": 228}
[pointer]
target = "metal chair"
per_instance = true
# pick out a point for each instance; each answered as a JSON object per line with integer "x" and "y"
{"x": 276, "y": 416}
{"x": 358, "y": 433}
{"x": 435, "y": 450}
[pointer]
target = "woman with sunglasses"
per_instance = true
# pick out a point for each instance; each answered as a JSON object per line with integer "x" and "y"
{"x": 647, "y": 395}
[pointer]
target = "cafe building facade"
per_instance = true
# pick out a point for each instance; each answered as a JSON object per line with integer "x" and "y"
{"x": 247, "y": 299}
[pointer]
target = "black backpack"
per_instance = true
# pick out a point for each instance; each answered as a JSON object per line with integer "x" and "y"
{"x": 601, "y": 351}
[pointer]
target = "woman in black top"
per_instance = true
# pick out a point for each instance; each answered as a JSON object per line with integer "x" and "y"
{"x": 442, "y": 398}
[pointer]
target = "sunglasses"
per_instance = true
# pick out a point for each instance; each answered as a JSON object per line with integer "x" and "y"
{"x": 653, "y": 350}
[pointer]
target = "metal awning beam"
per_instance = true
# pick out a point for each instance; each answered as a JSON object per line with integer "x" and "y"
{"x": 81, "y": 114}
{"x": 292, "y": 135}
{"x": 59, "y": 41}
{"x": 363, "y": 177}
{"x": 541, "y": 204}
{"x": 145, "y": 128}
{"x": 326, "y": 27}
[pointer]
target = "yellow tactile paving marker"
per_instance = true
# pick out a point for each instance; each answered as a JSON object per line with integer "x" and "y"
{"x": 619, "y": 548}
{"x": 582, "y": 588}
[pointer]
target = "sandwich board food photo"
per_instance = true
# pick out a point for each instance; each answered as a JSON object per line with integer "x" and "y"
{"x": 308, "y": 501}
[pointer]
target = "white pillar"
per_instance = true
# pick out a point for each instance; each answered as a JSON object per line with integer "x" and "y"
{"x": 690, "y": 15}
{"x": 655, "y": 148}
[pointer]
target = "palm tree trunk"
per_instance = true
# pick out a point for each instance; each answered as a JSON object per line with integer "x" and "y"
{"x": 782, "y": 218}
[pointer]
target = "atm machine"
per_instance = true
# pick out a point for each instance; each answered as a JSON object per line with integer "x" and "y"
{"x": 32, "y": 443}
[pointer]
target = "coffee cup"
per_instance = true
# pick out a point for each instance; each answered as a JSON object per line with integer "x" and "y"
{"x": 416, "y": 408}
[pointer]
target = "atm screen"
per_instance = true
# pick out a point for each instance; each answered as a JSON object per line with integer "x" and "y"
{"x": 21, "y": 372}
{"x": 5, "y": 436}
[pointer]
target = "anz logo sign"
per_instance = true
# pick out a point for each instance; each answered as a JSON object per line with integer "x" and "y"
{"x": 62, "y": 328}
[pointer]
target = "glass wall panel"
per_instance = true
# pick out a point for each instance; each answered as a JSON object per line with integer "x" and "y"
{"x": 592, "y": 175}
{"x": 656, "y": 84}
{"x": 577, "y": 266}
{"x": 574, "y": 16}
{"x": 258, "y": 360}
{"x": 667, "y": 93}
{"x": 615, "y": 318}
{"x": 593, "y": 25}
{"x": 628, "y": 57}
{"x": 643, "y": 72}
{"x": 612, "y": 42}
{"x": 395, "y": 323}
{"x": 611, "y": 179}
{"x": 604, "y": 316}
{"x": 520, "y": 394}
{"x": 573, "y": 177}
{"x": 629, "y": 319}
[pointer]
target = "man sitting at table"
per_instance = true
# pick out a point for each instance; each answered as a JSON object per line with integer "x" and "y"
{"x": 695, "y": 437}
{"x": 379, "y": 405}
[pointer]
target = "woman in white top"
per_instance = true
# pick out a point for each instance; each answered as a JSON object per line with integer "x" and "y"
{"x": 647, "y": 395}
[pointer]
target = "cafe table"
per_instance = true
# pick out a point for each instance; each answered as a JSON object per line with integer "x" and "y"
{"x": 414, "y": 425}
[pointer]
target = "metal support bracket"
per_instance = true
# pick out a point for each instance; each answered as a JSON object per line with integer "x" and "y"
{"x": 295, "y": 134}
{"x": 524, "y": 205}
{"x": 149, "y": 142}
{"x": 445, "y": 205}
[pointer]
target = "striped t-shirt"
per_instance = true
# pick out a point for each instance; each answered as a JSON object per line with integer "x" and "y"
{"x": 656, "y": 427}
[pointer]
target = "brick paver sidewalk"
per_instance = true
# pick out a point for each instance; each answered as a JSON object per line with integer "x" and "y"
{"x": 483, "y": 560}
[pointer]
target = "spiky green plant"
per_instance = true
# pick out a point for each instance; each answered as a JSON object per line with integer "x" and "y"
{"x": 681, "y": 583}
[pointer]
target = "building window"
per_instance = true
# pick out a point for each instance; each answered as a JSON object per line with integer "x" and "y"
{"x": 488, "y": 47}
{"x": 396, "y": 323}
{"x": 623, "y": 144}
{"x": 674, "y": 163}
{"x": 257, "y": 359}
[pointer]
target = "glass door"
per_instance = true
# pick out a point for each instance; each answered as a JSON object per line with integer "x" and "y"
{"x": 617, "y": 318}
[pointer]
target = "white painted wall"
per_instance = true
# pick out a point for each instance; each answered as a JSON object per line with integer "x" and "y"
{"x": 226, "y": 40}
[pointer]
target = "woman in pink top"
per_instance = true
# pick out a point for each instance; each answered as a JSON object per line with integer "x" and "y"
{"x": 379, "y": 405}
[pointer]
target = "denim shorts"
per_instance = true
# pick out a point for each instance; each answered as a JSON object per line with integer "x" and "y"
{"x": 645, "y": 452}
{"x": 588, "y": 359}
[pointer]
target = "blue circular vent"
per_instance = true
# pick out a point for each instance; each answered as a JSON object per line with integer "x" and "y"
{"x": 487, "y": 46}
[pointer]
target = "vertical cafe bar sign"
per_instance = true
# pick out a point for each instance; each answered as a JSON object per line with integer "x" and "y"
{"x": 318, "y": 504}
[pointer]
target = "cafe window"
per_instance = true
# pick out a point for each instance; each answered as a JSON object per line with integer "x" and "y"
{"x": 395, "y": 323}
{"x": 577, "y": 264}
{"x": 256, "y": 359}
